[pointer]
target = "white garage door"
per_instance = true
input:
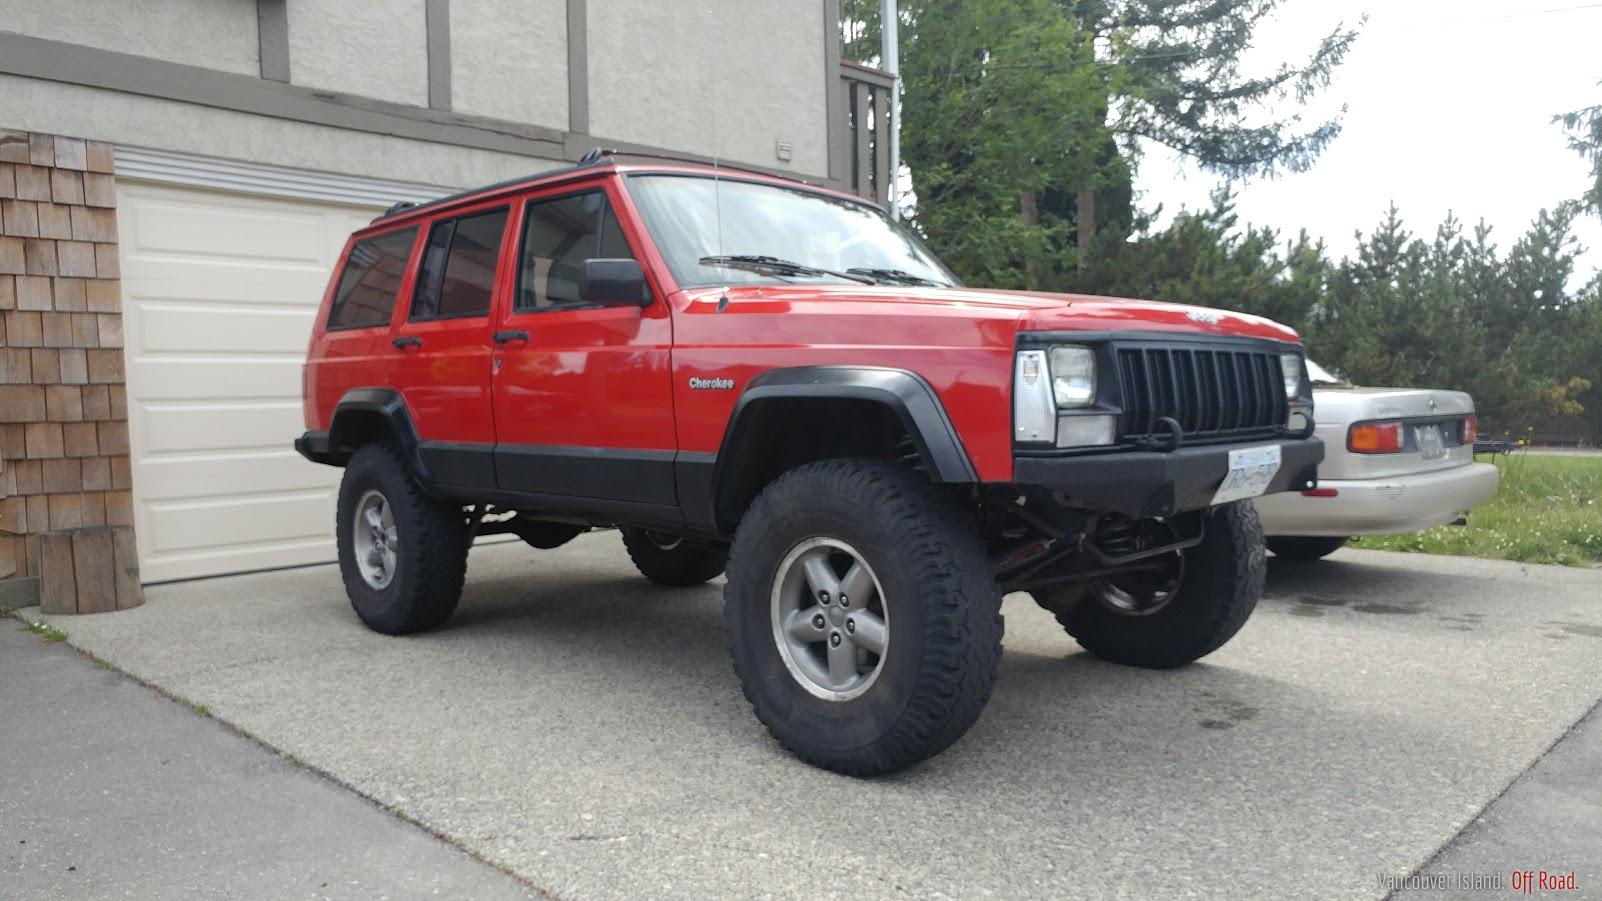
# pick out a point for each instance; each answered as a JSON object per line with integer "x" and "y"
{"x": 219, "y": 292}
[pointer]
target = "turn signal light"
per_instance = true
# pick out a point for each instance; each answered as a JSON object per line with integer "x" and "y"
{"x": 1471, "y": 429}
{"x": 1375, "y": 438}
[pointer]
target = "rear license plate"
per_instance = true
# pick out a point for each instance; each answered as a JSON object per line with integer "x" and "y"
{"x": 1251, "y": 469}
{"x": 1430, "y": 444}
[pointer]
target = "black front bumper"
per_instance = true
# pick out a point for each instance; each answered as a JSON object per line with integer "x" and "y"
{"x": 1143, "y": 484}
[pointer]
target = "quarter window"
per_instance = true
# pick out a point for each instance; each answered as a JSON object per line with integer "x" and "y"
{"x": 457, "y": 277}
{"x": 558, "y": 236}
{"x": 373, "y": 272}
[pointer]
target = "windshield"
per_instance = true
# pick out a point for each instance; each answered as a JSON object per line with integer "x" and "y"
{"x": 815, "y": 231}
{"x": 1322, "y": 376}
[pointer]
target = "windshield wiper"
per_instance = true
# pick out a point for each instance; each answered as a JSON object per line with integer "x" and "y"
{"x": 776, "y": 266}
{"x": 900, "y": 276}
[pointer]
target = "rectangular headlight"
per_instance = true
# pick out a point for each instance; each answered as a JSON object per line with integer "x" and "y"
{"x": 1034, "y": 417}
{"x": 1290, "y": 366}
{"x": 1073, "y": 376}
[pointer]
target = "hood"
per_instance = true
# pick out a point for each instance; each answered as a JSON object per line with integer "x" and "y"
{"x": 1032, "y": 311}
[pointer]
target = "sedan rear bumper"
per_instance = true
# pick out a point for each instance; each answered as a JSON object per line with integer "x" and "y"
{"x": 1380, "y": 506}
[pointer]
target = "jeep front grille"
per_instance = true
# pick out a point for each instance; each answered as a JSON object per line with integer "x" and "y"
{"x": 1214, "y": 393}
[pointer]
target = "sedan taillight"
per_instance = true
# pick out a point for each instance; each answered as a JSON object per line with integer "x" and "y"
{"x": 1470, "y": 430}
{"x": 1375, "y": 438}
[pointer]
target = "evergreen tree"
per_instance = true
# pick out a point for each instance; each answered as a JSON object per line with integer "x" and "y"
{"x": 1023, "y": 119}
{"x": 1584, "y": 129}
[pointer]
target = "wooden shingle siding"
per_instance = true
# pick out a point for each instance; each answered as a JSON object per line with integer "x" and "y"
{"x": 63, "y": 409}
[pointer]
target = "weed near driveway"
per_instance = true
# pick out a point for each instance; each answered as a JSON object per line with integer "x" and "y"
{"x": 1547, "y": 510}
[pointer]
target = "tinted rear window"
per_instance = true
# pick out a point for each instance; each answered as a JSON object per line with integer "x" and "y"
{"x": 458, "y": 274}
{"x": 372, "y": 277}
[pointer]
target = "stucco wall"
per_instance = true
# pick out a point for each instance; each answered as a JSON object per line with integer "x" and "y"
{"x": 760, "y": 62}
{"x": 146, "y": 122}
{"x": 376, "y": 48}
{"x": 217, "y": 34}
{"x": 509, "y": 60}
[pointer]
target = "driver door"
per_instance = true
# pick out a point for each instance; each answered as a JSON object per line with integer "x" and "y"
{"x": 582, "y": 391}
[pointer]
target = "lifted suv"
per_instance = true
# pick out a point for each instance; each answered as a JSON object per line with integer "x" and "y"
{"x": 743, "y": 372}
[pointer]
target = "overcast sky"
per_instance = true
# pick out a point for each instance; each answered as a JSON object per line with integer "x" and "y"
{"x": 1449, "y": 105}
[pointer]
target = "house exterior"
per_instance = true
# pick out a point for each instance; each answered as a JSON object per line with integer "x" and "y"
{"x": 177, "y": 178}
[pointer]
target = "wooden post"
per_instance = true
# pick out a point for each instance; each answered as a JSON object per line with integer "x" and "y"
{"x": 860, "y": 110}
{"x": 91, "y": 570}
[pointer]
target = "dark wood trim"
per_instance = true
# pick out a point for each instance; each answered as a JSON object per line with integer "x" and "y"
{"x": 834, "y": 95}
{"x": 47, "y": 60}
{"x": 272, "y": 39}
{"x": 91, "y": 67}
{"x": 578, "y": 67}
{"x": 438, "y": 17}
{"x": 858, "y": 72}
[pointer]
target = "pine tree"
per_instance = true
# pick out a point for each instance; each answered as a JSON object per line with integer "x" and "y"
{"x": 1023, "y": 119}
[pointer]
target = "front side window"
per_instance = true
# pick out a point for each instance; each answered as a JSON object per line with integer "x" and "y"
{"x": 558, "y": 236}
{"x": 457, "y": 277}
{"x": 373, "y": 272}
{"x": 692, "y": 218}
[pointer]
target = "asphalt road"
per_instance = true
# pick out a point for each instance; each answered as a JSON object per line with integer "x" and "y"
{"x": 581, "y": 727}
{"x": 107, "y": 789}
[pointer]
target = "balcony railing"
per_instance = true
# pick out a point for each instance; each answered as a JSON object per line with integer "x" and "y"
{"x": 866, "y": 156}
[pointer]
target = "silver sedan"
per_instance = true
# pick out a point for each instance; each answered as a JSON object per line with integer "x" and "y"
{"x": 1395, "y": 460}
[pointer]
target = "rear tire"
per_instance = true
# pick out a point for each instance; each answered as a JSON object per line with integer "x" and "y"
{"x": 405, "y": 559}
{"x": 924, "y": 597}
{"x": 673, "y": 560}
{"x": 1221, "y": 582}
{"x": 1305, "y": 548}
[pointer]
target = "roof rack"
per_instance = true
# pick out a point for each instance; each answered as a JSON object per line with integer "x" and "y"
{"x": 599, "y": 155}
{"x": 594, "y": 157}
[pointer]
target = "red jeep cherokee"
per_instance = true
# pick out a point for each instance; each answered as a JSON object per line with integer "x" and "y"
{"x": 750, "y": 374}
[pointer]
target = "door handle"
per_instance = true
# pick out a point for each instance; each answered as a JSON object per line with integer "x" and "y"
{"x": 407, "y": 341}
{"x": 510, "y": 335}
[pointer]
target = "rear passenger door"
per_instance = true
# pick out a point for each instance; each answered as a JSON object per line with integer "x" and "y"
{"x": 443, "y": 349}
{"x": 583, "y": 400}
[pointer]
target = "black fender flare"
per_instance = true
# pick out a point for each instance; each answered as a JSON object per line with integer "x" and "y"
{"x": 388, "y": 404}
{"x": 903, "y": 392}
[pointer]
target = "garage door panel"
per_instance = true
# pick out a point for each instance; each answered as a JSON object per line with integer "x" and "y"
{"x": 202, "y": 562}
{"x": 186, "y": 476}
{"x": 215, "y": 283}
{"x": 194, "y": 225}
{"x": 219, "y": 293}
{"x": 186, "y": 428}
{"x": 174, "y": 326}
{"x": 205, "y": 375}
{"x": 221, "y": 522}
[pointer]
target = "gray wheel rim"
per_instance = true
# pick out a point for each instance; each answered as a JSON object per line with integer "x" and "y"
{"x": 663, "y": 541}
{"x": 831, "y": 621}
{"x": 376, "y": 542}
{"x": 1129, "y": 603}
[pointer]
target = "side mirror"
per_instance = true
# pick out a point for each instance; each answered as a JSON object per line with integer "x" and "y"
{"x": 614, "y": 281}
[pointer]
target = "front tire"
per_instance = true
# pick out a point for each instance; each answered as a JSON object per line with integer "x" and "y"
{"x": 1218, "y": 587}
{"x": 673, "y": 560}
{"x": 403, "y": 556}
{"x": 1310, "y": 548}
{"x": 905, "y": 661}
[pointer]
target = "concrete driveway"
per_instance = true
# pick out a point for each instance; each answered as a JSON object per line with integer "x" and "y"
{"x": 581, "y": 728}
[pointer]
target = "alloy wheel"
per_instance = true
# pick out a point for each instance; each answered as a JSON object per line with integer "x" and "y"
{"x": 831, "y": 621}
